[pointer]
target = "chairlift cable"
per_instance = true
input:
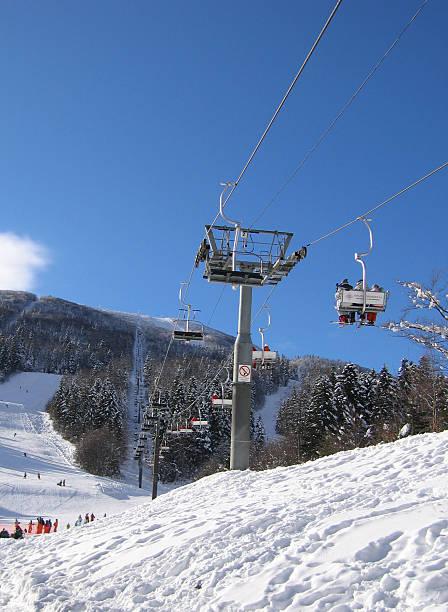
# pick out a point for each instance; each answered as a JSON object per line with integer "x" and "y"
{"x": 354, "y": 221}
{"x": 310, "y": 53}
{"x": 263, "y": 305}
{"x": 216, "y": 306}
{"x": 368, "y": 212}
{"x": 342, "y": 111}
{"x": 151, "y": 398}
{"x": 234, "y": 186}
{"x": 206, "y": 386}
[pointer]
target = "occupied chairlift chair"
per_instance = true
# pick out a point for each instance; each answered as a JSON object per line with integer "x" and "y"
{"x": 362, "y": 302}
{"x": 265, "y": 357}
{"x": 197, "y": 422}
{"x": 221, "y": 402}
{"x": 187, "y": 334}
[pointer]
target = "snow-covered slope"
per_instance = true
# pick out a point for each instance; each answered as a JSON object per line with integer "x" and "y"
{"x": 359, "y": 530}
{"x": 26, "y": 428}
{"x": 269, "y": 411}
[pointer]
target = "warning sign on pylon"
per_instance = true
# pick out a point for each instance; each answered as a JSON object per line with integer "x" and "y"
{"x": 244, "y": 373}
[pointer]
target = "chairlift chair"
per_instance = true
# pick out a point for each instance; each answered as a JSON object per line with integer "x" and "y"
{"x": 195, "y": 422}
{"x": 221, "y": 402}
{"x": 185, "y": 429}
{"x": 349, "y": 302}
{"x": 187, "y": 334}
{"x": 265, "y": 357}
{"x": 159, "y": 406}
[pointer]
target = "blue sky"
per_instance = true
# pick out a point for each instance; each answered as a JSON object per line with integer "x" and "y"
{"x": 120, "y": 119}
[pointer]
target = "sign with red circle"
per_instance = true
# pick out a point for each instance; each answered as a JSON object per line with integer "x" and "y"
{"x": 244, "y": 373}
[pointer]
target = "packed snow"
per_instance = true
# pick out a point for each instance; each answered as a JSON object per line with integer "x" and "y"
{"x": 359, "y": 530}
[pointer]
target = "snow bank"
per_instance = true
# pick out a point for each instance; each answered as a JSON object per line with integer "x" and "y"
{"x": 360, "y": 530}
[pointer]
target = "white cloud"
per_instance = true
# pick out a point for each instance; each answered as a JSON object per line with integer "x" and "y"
{"x": 20, "y": 260}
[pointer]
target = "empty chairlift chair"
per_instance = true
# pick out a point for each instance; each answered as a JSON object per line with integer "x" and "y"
{"x": 184, "y": 328}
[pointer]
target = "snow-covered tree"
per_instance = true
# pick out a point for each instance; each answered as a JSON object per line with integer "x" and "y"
{"x": 431, "y": 329}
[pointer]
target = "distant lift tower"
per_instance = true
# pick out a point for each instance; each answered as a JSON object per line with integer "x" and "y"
{"x": 246, "y": 258}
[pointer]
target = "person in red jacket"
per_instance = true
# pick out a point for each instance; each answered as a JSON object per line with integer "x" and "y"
{"x": 56, "y": 523}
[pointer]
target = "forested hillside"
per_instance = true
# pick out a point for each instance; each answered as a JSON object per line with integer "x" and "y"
{"x": 59, "y": 337}
{"x": 339, "y": 407}
{"x": 332, "y": 406}
{"x": 94, "y": 350}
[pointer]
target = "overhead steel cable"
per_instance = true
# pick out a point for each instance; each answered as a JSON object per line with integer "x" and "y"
{"x": 216, "y": 306}
{"x": 310, "y": 53}
{"x": 264, "y": 304}
{"x": 302, "y": 67}
{"x": 368, "y": 212}
{"x": 206, "y": 386}
{"x": 339, "y": 115}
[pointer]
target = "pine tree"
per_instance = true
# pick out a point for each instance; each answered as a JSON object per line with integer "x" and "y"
{"x": 347, "y": 399}
{"x": 385, "y": 411}
{"x": 259, "y": 438}
{"x": 323, "y": 419}
{"x": 368, "y": 383}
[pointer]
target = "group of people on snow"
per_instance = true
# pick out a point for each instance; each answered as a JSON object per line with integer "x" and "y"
{"x": 43, "y": 526}
{"x": 87, "y": 519}
{"x": 368, "y": 317}
{"x": 17, "y": 533}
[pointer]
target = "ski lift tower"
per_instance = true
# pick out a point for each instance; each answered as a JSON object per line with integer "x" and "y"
{"x": 244, "y": 258}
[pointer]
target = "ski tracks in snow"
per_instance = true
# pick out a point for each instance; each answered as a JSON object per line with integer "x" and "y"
{"x": 39, "y": 424}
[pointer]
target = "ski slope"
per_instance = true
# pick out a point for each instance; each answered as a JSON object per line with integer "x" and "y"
{"x": 23, "y": 398}
{"x": 269, "y": 411}
{"x": 359, "y": 530}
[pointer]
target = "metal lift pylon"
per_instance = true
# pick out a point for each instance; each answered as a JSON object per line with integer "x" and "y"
{"x": 244, "y": 258}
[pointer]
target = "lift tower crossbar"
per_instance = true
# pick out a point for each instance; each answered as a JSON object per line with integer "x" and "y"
{"x": 240, "y": 256}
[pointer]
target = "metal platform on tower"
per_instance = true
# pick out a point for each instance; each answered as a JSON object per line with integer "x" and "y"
{"x": 240, "y": 256}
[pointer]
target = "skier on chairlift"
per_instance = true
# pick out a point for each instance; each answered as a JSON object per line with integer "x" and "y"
{"x": 371, "y": 316}
{"x": 349, "y": 317}
{"x": 360, "y": 287}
